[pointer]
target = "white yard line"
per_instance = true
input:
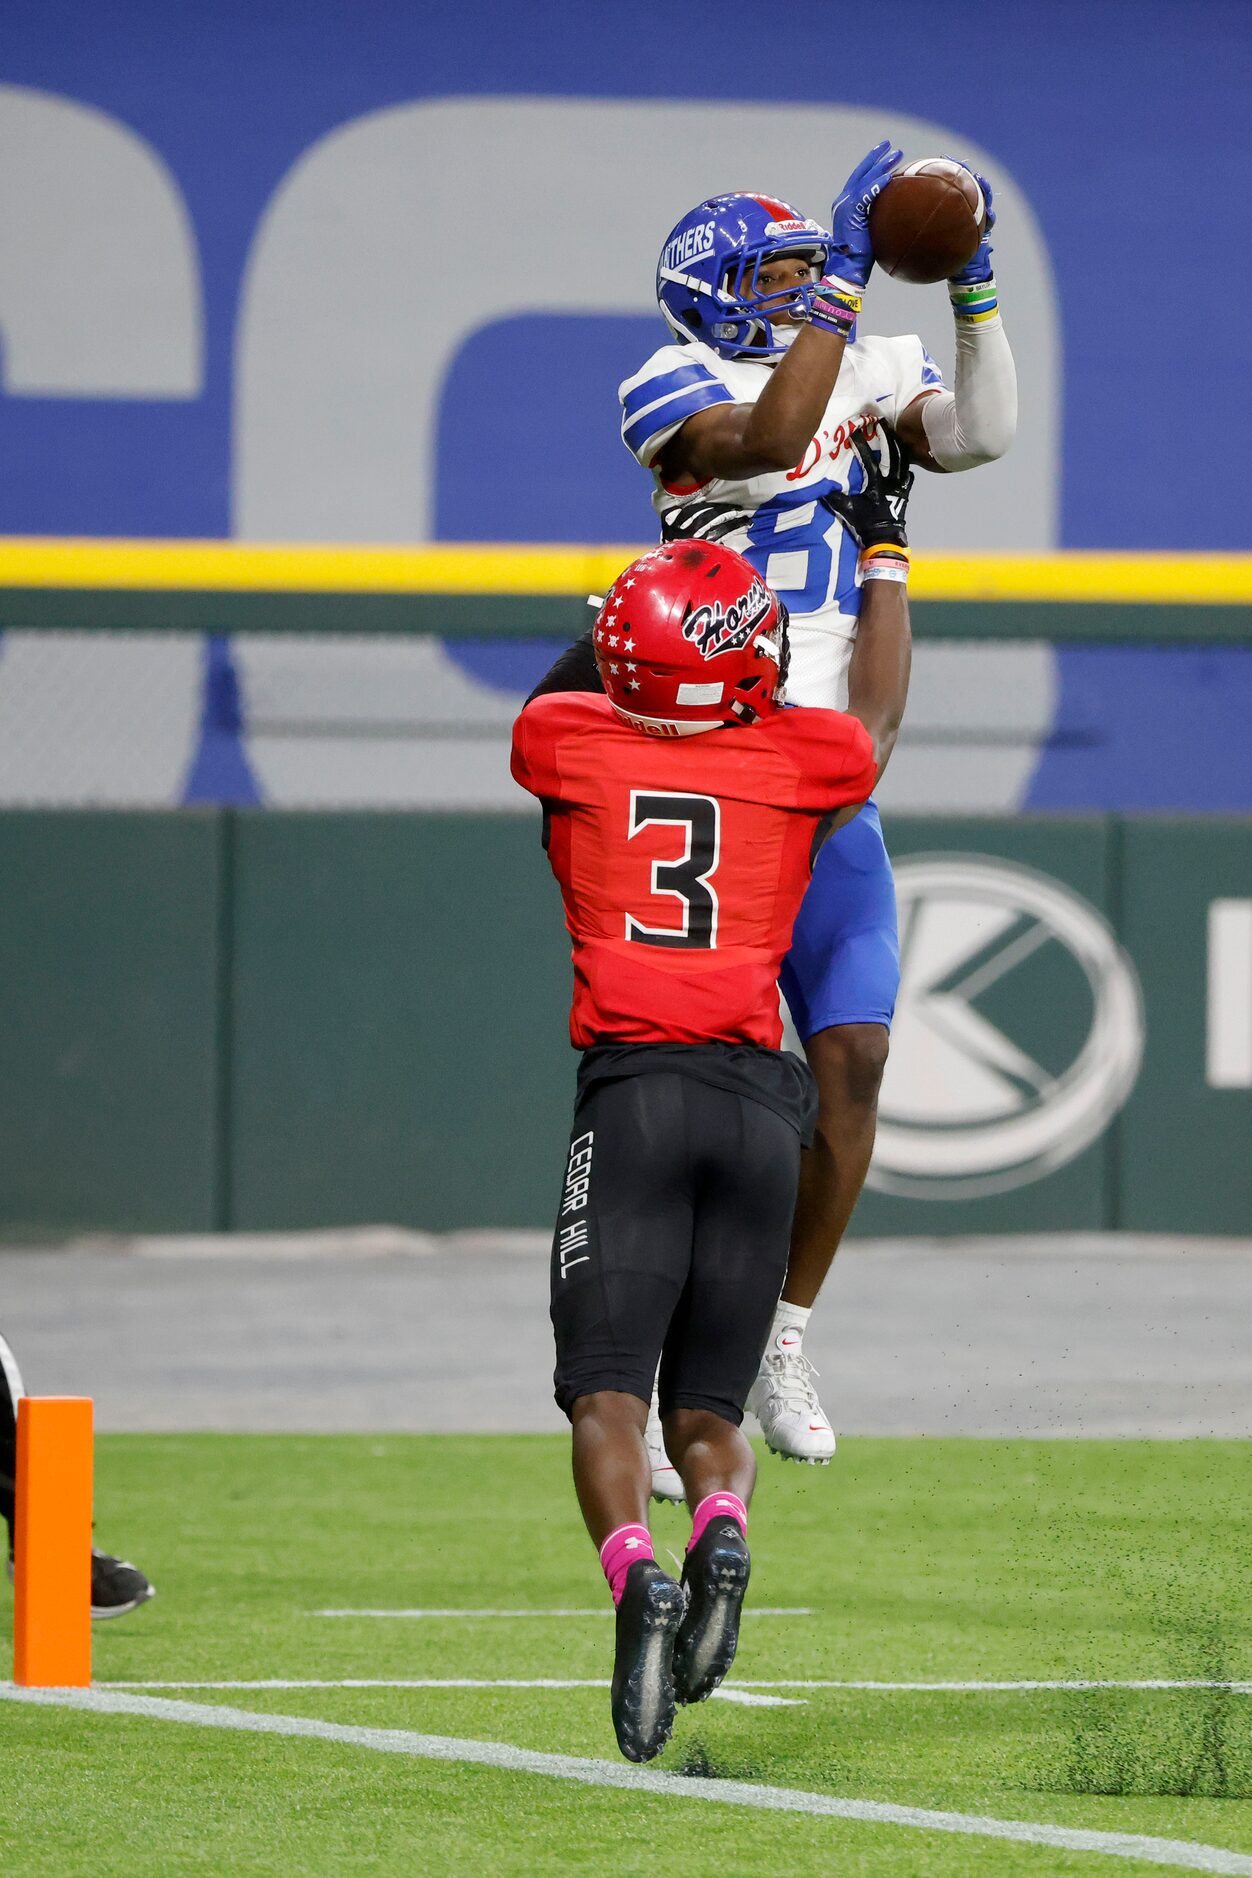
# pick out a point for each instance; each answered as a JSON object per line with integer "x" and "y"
{"x": 747, "y": 1698}
{"x": 737, "y": 1692}
{"x": 992, "y": 1688}
{"x": 1182, "y": 1854}
{"x": 590, "y": 1610}
{"x": 377, "y": 1682}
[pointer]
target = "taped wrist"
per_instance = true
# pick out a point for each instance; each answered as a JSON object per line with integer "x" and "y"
{"x": 834, "y": 306}
{"x": 975, "y": 303}
{"x": 886, "y": 561}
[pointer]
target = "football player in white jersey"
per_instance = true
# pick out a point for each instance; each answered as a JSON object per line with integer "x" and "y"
{"x": 746, "y": 423}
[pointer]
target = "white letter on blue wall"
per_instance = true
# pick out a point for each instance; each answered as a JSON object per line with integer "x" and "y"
{"x": 100, "y": 283}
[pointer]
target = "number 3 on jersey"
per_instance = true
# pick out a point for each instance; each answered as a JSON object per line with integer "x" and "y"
{"x": 687, "y": 876}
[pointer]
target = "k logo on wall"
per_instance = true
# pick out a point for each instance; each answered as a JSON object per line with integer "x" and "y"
{"x": 1018, "y": 1033}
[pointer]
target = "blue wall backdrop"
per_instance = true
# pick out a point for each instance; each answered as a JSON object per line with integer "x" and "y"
{"x": 1123, "y": 125}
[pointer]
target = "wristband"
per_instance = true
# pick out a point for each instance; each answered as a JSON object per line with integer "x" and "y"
{"x": 887, "y": 560}
{"x": 834, "y": 306}
{"x": 974, "y": 306}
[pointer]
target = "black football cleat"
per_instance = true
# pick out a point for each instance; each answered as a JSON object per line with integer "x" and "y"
{"x": 116, "y": 1587}
{"x": 643, "y": 1680}
{"x": 715, "y": 1577}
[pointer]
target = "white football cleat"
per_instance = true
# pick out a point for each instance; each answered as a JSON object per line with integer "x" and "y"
{"x": 784, "y": 1401}
{"x": 666, "y": 1484}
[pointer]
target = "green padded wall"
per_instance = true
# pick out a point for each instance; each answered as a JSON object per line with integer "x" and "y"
{"x": 271, "y": 1021}
{"x": 1185, "y": 1145}
{"x": 109, "y": 1068}
{"x": 399, "y": 1043}
{"x": 564, "y": 615}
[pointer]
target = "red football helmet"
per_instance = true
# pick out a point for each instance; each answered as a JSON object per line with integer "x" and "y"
{"x": 690, "y": 638}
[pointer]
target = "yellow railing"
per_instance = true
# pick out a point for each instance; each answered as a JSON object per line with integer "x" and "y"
{"x": 532, "y": 568}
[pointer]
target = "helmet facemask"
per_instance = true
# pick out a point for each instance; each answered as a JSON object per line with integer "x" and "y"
{"x": 755, "y": 697}
{"x": 765, "y": 331}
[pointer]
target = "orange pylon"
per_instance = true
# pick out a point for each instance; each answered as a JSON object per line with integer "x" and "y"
{"x": 52, "y": 1550}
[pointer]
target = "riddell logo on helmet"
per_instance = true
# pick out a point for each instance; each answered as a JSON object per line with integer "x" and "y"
{"x": 797, "y": 226}
{"x": 715, "y": 628}
{"x": 654, "y": 726}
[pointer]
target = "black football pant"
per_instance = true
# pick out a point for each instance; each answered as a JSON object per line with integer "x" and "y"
{"x": 671, "y": 1242}
{"x": 10, "y": 1390}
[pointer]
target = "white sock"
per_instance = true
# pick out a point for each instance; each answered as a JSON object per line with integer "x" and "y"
{"x": 787, "y": 1329}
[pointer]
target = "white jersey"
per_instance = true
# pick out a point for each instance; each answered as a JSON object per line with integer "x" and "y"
{"x": 778, "y": 521}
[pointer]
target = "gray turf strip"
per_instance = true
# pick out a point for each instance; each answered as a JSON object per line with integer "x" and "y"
{"x": 1182, "y": 1854}
{"x": 1129, "y": 1335}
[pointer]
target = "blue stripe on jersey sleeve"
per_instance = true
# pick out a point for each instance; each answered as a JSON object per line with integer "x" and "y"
{"x": 664, "y": 385}
{"x": 931, "y": 375}
{"x": 674, "y": 411}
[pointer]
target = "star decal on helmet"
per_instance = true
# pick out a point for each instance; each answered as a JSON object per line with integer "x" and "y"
{"x": 691, "y": 604}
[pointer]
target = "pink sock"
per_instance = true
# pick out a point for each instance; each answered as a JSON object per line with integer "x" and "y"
{"x": 717, "y": 1506}
{"x": 619, "y": 1552}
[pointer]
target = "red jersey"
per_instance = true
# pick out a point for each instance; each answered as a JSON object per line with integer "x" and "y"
{"x": 683, "y": 861}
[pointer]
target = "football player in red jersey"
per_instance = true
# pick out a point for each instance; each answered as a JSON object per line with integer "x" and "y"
{"x": 682, "y": 812}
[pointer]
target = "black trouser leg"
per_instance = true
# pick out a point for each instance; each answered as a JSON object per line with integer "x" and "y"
{"x": 747, "y": 1161}
{"x": 10, "y": 1390}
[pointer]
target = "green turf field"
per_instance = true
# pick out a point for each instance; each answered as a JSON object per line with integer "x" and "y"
{"x": 920, "y": 1561}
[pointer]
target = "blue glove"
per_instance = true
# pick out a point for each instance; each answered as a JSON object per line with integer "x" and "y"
{"x": 979, "y": 269}
{"x": 852, "y": 257}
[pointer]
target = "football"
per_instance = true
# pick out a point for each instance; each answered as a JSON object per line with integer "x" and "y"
{"x": 928, "y": 221}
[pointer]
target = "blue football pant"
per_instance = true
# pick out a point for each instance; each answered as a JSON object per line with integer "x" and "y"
{"x": 844, "y": 962}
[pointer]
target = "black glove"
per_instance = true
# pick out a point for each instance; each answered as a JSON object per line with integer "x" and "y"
{"x": 874, "y": 517}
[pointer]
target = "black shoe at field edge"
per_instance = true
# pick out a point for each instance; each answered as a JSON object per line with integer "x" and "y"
{"x": 643, "y": 1682}
{"x": 715, "y": 1578}
{"x": 116, "y": 1586}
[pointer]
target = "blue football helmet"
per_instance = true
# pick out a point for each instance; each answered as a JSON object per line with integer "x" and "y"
{"x": 706, "y": 276}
